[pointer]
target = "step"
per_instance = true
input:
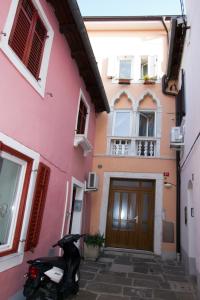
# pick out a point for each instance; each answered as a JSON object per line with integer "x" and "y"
{"x": 128, "y": 252}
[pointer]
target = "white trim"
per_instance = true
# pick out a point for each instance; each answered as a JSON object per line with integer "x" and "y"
{"x": 39, "y": 86}
{"x": 17, "y": 198}
{"x": 65, "y": 215}
{"x": 155, "y": 123}
{"x": 131, "y": 121}
{"x": 117, "y": 97}
{"x": 151, "y": 94}
{"x": 82, "y": 96}
{"x": 12, "y": 260}
{"x": 158, "y": 202}
{"x": 80, "y": 187}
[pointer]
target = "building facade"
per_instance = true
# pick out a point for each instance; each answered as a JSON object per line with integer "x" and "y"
{"x": 47, "y": 127}
{"x": 188, "y": 116}
{"x": 135, "y": 205}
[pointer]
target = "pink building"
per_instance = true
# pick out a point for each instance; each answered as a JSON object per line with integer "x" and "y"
{"x": 50, "y": 93}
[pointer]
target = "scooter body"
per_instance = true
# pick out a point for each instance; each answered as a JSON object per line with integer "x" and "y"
{"x": 55, "y": 277}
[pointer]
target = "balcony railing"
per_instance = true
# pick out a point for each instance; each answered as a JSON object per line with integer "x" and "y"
{"x": 120, "y": 147}
{"x": 144, "y": 147}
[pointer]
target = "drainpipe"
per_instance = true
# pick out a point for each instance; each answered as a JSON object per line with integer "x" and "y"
{"x": 178, "y": 206}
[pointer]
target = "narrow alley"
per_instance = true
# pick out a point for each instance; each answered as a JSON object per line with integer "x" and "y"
{"x": 134, "y": 276}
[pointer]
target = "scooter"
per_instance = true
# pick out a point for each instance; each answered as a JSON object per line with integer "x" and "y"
{"x": 55, "y": 278}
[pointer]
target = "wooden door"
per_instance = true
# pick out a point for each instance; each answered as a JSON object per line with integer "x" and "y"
{"x": 130, "y": 214}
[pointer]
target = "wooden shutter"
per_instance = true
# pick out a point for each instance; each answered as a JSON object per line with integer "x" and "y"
{"x": 37, "y": 47}
{"x": 28, "y": 35}
{"x": 37, "y": 207}
{"x": 82, "y": 118}
{"x": 21, "y": 30}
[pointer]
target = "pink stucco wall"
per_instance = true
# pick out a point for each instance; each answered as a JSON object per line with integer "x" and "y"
{"x": 45, "y": 125}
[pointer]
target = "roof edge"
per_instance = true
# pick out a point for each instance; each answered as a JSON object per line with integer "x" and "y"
{"x": 129, "y": 18}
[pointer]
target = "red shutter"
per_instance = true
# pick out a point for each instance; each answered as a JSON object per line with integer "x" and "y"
{"x": 82, "y": 118}
{"x": 37, "y": 47}
{"x": 37, "y": 207}
{"x": 28, "y": 36}
{"x": 21, "y": 31}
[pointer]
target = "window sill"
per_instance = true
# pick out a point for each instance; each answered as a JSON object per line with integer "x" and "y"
{"x": 124, "y": 81}
{"x": 83, "y": 142}
{"x": 11, "y": 261}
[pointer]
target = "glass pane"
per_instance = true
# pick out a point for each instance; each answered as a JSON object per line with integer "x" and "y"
{"x": 132, "y": 209}
{"x": 122, "y": 124}
{"x": 143, "y": 125}
{"x": 125, "y": 183}
{"x": 9, "y": 177}
{"x": 151, "y": 124}
{"x": 145, "y": 212}
{"x": 146, "y": 126}
{"x": 132, "y": 214}
{"x": 116, "y": 206}
{"x": 125, "y": 69}
{"x": 147, "y": 184}
{"x": 144, "y": 66}
{"x": 124, "y": 210}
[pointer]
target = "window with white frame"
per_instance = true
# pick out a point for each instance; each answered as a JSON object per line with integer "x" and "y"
{"x": 15, "y": 170}
{"x": 122, "y": 123}
{"x": 149, "y": 66}
{"x": 27, "y": 41}
{"x": 82, "y": 118}
{"x": 146, "y": 124}
{"x": 144, "y": 66}
{"x": 125, "y": 68}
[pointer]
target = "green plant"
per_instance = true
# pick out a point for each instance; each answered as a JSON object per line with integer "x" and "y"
{"x": 147, "y": 78}
{"x": 96, "y": 239}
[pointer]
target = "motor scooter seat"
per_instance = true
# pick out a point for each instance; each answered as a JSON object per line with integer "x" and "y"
{"x": 56, "y": 261}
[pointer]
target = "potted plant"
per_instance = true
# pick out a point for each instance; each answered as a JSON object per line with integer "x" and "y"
{"x": 149, "y": 80}
{"x": 92, "y": 245}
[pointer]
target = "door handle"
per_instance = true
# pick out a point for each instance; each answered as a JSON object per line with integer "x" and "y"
{"x": 136, "y": 219}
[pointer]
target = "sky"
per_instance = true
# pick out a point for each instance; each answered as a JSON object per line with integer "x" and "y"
{"x": 129, "y": 7}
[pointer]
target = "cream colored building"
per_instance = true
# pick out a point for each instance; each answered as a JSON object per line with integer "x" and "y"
{"x": 135, "y": 205}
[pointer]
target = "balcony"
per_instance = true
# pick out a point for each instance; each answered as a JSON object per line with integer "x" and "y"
{"x": 139, "y": 146}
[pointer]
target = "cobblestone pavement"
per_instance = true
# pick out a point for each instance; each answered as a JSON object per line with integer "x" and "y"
{"x": 128, "y": 277}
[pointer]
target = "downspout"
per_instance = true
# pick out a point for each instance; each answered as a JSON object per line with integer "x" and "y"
{"x": 165, "y": 80}
{"x": 162, "y": 20}
{"x": 178, "y": 206}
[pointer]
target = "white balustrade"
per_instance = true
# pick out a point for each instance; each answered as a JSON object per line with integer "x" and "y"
{"x": 146, "y": 148}
{"x": 120, "y": 147}
{"x": 133, "y": 147}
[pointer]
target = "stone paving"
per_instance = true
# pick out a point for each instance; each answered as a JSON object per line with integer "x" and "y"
{"x": 129, "y": 277}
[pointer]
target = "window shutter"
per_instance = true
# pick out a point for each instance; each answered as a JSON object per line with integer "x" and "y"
{"x": 111, "y": 69}
{"x": 37, "y": 47}
{"x": 81, "y": 118}
{"x": 21, "y": 29}
{"x": 152, "y": 66}
{"x": 28, "y": 36}
{"x": 137, "y": 68}
{"x": 37, "y": 207}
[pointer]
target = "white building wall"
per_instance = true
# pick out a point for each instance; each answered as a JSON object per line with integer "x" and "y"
{"x": 190, "y": 162}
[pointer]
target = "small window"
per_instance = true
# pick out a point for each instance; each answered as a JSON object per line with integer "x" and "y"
{"x": 125, "y": 68}
{"x": 82, "y": 118}
{"x": 28, "y": 36}
{"x": 15, "y": 170}
{"x": 122, "y": 123}
{"x": 146, "y": 124}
